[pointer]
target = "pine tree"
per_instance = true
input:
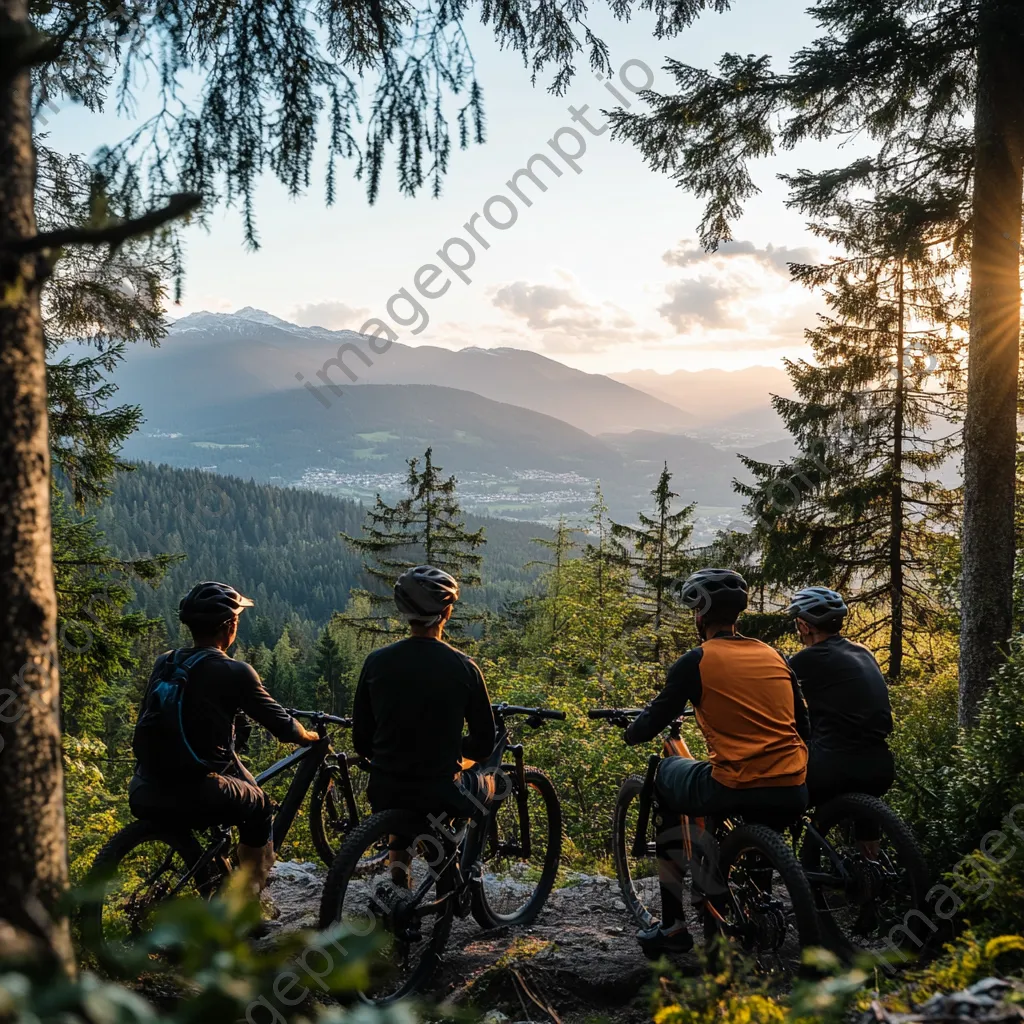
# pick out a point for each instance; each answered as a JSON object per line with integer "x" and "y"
{"x": 424, "y": 528}
{"x": 97, "y": 634}
{"x": 655, "y": 553}
{"x": 282, "y": 679}
{"x": 561, "y": 547}
{"x": 905, "y": 77}
{"x": 607, "y": 582}
{"x": 334, "y": 662}
{"x": 860, "y": 506}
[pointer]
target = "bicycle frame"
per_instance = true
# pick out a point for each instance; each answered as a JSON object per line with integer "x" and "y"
{"x": 309, "y": 759}
{"x": 692, "y": 829}
{"x": 468, "y": 845}
{"x": 286, "y": 811}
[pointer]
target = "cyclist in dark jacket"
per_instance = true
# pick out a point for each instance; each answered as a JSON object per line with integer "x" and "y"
{"x": 218, "y": 790}
{"x": 412, "y": 700}
{"x": 847, "y": 700}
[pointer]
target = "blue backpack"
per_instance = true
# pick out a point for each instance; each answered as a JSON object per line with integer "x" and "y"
{"x": 161, "y": 747}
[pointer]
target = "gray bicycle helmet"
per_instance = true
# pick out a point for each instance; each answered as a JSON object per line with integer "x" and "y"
{"x": 711, "y": 591}
{"x": 818, "y": 606}
{"x": 210, "y": 603}
{"x": 423, "y": 593}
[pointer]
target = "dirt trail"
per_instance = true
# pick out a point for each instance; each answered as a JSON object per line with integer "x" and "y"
{"x": 579, "y": 959}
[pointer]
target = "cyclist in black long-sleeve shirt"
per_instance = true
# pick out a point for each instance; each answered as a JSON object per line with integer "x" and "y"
{"x": 847, "y": 700}
{"x": 411, "y": 702}
{"x": 211, "y": 787}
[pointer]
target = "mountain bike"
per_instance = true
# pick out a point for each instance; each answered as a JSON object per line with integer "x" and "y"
{"x": 747, "y": 884}
{"x": 498, "y": 865}
{"x": 867, "y": 872}
{"x": 150, "y": 862}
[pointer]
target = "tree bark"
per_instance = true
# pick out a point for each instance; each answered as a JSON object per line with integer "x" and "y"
{"x": 990, "y": 427}
{"x": 896, "y": 498}
{"x": 33, "y": 850}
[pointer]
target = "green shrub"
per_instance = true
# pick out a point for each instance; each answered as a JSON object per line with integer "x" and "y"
{"x": 201, "y": 965}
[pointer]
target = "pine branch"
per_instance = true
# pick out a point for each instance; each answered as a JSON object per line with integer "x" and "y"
{"x": 115, "y": 234}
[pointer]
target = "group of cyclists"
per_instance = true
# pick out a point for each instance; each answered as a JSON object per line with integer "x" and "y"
{"x": 781, "y": 734}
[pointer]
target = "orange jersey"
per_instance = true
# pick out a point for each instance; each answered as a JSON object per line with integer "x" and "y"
{"x": 748, "y": 706}
{"x": 748, "y": 716}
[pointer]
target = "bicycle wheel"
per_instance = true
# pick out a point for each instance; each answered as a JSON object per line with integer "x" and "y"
{"x": 638, "y": 876}
{"x": 414, "y": 922}
{"x": 513, "y": 886}
{"x": 759, "y": 899}
{"x": 134, "y": 874}
{"x": 865, "y": 903}
{"x": 329, "y": 820}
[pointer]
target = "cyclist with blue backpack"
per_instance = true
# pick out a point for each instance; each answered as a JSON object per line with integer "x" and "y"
{"x": 186, "y": 766}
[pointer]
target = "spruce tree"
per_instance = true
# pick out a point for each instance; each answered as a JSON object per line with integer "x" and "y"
{"x": 859, "y": 508}
{"x": 426, "y": 527}
{"x": 334, "y": 663}
{"x": 561, "y": 547}
{"x": 604, "y": 585}
{"x": 937, "y": 89}
{"x": 655, "y": 553}
{"x": 283, "y": 675}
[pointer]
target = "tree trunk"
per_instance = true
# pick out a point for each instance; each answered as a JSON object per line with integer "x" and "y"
{"x": 896, "y": 499}
{"x": 990, "y": 427}
{"x": 33, "y": 851}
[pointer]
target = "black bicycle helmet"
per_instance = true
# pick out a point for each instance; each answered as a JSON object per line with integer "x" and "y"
{"x": 210, "y": 603}
{"x": 818, "y": 606}
{"x": 711, "y": 591}
{"x": 423, "y": 592}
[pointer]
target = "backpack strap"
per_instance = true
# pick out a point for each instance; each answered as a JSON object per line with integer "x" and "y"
{"x": 187, "y": 665}
{"x": 201, "y": 655}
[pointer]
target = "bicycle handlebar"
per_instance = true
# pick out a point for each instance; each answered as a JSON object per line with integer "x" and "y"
{"x": 514, "y": 709}
{"x": 615, "y": 715}
{"x": 321, "y": 716}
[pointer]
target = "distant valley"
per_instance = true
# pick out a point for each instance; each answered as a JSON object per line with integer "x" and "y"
{"x": 221, "y": 394}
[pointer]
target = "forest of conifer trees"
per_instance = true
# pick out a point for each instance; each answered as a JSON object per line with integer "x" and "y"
{"x": 904, "y": 492}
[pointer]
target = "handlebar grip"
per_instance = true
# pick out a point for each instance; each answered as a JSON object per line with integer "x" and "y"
{"x": 599, "y": 714}
{"x": 554, "y": 716}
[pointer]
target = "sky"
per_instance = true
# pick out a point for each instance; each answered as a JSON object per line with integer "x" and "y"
{"x": 602, "y": 271}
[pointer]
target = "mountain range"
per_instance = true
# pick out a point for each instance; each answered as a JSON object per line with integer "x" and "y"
{"x": 208, "y": 357}
{"x": 527, "y": 436}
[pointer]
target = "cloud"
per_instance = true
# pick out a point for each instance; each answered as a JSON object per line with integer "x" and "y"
{"x": 535, "y": 303}
{"x": 335, "y": 316}
{"x": 704, "y": 301}
{"x": 740, "y": 288}
{"x": 563, "y": 321}
{"x": 689, "y": 252}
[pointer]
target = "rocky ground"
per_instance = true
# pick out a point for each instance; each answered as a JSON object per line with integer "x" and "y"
{"x": 578, "y": 961}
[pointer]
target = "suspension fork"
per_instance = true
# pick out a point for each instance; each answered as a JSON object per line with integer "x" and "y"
{"x": 522, "y": 801}
{"x": 341, "y": 760}
{"x": 644, "y": 808}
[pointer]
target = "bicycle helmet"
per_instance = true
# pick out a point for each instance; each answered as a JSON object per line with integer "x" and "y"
{"x": 714, "y": 591}
{"x": 818, "y": 605}
{"x": 423, "y": 593}
{"x": 210, "y": 603}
